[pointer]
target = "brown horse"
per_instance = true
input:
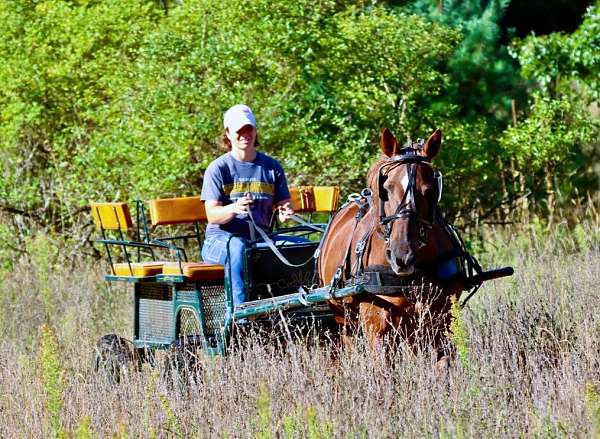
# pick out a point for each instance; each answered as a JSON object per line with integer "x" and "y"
{"x": 395, "y": 241}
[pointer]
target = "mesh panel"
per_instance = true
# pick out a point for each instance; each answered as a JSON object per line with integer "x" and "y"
{"x": 214, "y": 307}
{"x": 155, "y": 312}
{"x": 188, "y": 323}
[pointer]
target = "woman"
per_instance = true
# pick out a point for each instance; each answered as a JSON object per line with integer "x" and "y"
{"x": 241, "y": 183}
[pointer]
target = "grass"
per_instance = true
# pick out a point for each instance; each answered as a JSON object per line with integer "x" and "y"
{"x": 527, "y": 363}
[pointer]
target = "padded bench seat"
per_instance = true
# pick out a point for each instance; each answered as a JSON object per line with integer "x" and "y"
{"x": 195, "y": 271}
{"x": 138, "y": 269}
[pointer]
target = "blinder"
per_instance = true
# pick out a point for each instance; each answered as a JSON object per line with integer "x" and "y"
{"x": 383, "y": 195}
{"x": 439, "y": 179}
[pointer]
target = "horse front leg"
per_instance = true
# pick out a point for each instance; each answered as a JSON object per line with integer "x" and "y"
{"x": 374, "y": 321}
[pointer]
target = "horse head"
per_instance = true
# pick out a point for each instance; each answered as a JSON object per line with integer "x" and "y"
{"x": 407, "y": 190}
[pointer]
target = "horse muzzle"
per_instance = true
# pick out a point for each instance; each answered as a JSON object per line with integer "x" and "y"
{"x": 401, "y": 266}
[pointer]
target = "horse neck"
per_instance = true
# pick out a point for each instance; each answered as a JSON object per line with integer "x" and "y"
{"x": 440, "y": 243}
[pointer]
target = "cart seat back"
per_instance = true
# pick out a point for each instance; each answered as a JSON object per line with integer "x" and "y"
{"x": 111, "y": 216}
{"x": 177, "y": 220}
{"x": 308, "y": 199}
{"x": 183, "y": 210}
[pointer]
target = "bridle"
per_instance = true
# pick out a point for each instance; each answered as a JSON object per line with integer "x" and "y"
{"x": 407, "y": 208}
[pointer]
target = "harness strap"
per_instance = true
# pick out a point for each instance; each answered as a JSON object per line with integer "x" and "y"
{"x": 360, "y": 251}
{"x": 305, "y": 223}
{"x": 345, "y": 266}
{"x": 388, "y": 283}
{"x": 271, "y": 244}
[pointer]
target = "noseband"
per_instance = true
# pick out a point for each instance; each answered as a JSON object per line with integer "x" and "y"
{"x": 407, "y": 208}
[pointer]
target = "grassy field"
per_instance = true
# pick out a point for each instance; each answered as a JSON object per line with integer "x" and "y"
{"x": 527, "y": 361}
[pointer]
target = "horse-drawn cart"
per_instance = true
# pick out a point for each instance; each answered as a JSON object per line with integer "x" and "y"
{"x": 182, "y": 303}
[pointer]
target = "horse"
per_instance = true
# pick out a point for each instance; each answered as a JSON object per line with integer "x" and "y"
{"x": 394, "y": 241}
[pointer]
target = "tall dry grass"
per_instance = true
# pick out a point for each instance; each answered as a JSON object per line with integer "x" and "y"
{"x": 528, "y": 362}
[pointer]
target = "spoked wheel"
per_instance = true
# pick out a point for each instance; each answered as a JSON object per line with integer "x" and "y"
{"x": 145, "y": 356}
{"x": 114, "y": 357}
{"x": 182, "y": 365}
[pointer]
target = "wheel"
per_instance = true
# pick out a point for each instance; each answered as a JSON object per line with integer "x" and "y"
{"x": 144, "y": 356}
{"x": 182, "y": 365}
{"x": 114, "y": 357}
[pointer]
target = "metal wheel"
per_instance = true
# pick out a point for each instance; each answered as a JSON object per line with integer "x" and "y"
{"x": 114, "y": 357}
{"x": 182, "y": 365}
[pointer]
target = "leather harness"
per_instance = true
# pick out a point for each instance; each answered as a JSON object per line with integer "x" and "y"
{"x": 385, "y": 281}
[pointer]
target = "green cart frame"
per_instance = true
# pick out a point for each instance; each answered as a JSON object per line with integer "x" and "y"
{"x": 178, "y": 306}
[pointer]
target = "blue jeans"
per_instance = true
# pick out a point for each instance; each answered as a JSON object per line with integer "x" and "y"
{"x": 214, "y": 250}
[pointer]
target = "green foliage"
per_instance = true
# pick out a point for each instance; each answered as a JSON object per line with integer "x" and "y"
{"x": 301, "y": 422}
{"x": 66, "y": 67}
{"x": 560, "y": 135}
{"x": 84, "y": 429}
{"x": 173, "y": 427}
{"x": 592, "y": 399}
{"x": 483, "y": 78}
{"x": 552, "y": 139}
{"x": 317, "y": 429}
{"x": 473, "y": 106}
{"x": 116, "y": 100}
{"x": 554, "y": 61}
{"x": 52, "y": 378}
{"x": 304, "y": 422}
{"x": 263, "y": 416}
{"x": 323, "y": 79}
{"x": 43, "y": 256}
{"x": 459, "y": 334}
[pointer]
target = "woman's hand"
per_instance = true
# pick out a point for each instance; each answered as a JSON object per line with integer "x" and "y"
{"x": 242, "y": 205}
{"x": 285, "y": 211}
{"x": 216, "y": 213}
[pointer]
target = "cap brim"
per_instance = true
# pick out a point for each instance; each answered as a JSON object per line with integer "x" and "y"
{"x": 238, "y": 124}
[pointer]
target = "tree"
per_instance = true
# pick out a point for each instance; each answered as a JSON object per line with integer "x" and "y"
{"x": 114, "y": 100}
{"x": 558, "y": 142}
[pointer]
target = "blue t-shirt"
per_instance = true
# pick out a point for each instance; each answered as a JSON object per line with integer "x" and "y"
{"x": 228, "y": 179}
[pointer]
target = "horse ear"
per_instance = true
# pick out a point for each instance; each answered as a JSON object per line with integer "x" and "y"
{"x": 388, "y": 143}
{"x": 432, "y": 147}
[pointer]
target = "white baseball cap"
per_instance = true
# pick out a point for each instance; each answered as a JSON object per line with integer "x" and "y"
{"x": 238, "y": 116}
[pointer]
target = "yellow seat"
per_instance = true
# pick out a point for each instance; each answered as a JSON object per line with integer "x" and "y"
{"x": 195, "y": 271}
{"x": 138, "y": 269}
{"x": 111, "y": 216}
{"x": 303, "y": 199}
{"x": 326, "y": 198}
{"x": 308, "y": 199}
{"x": 183, "y": 210}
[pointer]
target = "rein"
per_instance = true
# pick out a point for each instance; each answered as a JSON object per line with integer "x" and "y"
{"x": 271, "y": 244}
